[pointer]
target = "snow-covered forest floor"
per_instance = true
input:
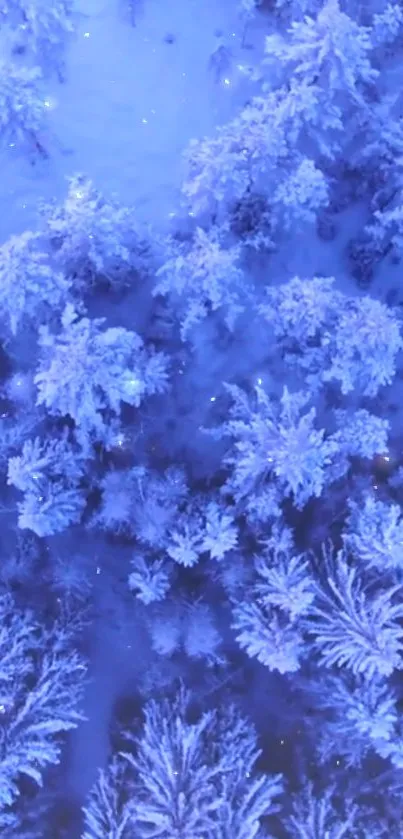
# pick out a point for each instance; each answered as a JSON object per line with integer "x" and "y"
{"x": 136, "y": 545}
{"x": 132, "y": 100}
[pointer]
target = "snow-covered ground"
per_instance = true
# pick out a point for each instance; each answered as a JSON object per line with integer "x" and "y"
{"x": 118, "y": 652}
{"x": 133, "y": 98}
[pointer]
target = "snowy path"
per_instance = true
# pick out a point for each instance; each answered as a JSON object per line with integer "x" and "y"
{"x": 114, "y": 663}
{"x": 118, "y": 654}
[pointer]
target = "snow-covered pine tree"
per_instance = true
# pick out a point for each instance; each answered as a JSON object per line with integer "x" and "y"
{"x": 30, "y": 288}
{"x": 108, "y": 812}
{"x": 156, "y": 501}
{"x": 250, "y": 221}
{"x": 49, "y": 474}
{"x": 22, "y": 107}
{"x": 41, "y": 689}
{"x": 258, "y": 151}
{"x": 301, "y": 314}
{"x": 41, "y": 459}
{"x": 375, "y": 534}
{"x": 298, "y": 310}
{"x": 386, "y": 230}
{"x": 366, "y": 340}
{"x": 198, "y": 778}
{"x": 201, "y": 527}
{"x": 309, "y": 118}
{"x": 175, "y": 789}
{"x": 246, "y": 795}
{"x": 201, "y": 639}
{"x": 165, "y": 627}
{"x": 300, "y": 195}
{"x": 353, "y": 340}
{"x": 50, "y": 510}
{"x": 13, "y": 433}
{"x": 150, "y": 579}
{"x": 115, "y": 512}
{"x": 178, "y": 624}
{"x": 275, "y": 440}
{"x": 271, "y": 637}
{"x": 296, "y": 9}
{"x": 355, "y": 622}
{"x": 184, "y": 779}
{"x": 185, "y": 541}
{"x": 43, "y": 31}
{"x": 331, "y": 49}
{"x": 267, "y": 624}
{"x": 316, "y": 814}
{"x": 378, "y": 153}
{"x": 387, "y": 25}
{"x": 190, "y": 529}
{"x": 220, "y": 531}
{"x": 94, "y": 238}
{"x": 353, "y": 716}
{"x": 142, "y": 503}
{"x": 250, "y": 152}
{"x": 203, "y": 277}
{"x": 283, "y": 577}
{"x": 87, "y": 372}
{"x": 360, "y": 434}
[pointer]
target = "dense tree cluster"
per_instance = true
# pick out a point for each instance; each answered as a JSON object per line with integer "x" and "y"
{"x": 278, "y": 560}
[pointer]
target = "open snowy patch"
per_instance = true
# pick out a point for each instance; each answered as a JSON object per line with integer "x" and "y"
{"x": 133, "y": 98}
